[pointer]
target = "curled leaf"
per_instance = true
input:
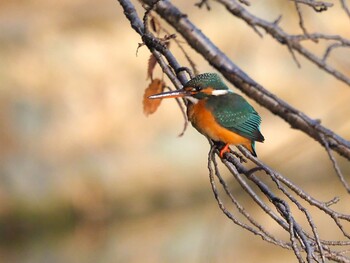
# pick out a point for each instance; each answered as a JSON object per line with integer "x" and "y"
{"x": 149, "y": 105}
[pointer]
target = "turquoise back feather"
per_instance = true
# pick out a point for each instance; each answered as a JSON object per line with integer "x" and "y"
{"x": 234, "y": 113}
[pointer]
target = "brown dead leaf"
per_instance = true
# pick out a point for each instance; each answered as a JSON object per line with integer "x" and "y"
{"x": 149, "y": 105}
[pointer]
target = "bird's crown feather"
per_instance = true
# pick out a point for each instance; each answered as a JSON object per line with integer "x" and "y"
{"x": 204, "y": 80}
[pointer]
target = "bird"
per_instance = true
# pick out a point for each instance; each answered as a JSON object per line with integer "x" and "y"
{"x": 219, "y": 113}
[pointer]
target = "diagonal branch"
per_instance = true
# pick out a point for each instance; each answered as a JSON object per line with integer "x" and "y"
{"x": 281, "y": 36}
{"x": 345, "y": 7}
{"x": 277, "y": 203}
{"x": 242, "y": 81}
{"x": 316, "y": 249}
{"x": 256, "y": 228}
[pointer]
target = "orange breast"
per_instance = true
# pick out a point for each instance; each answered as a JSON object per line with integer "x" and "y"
{"x": 204, "y": 121}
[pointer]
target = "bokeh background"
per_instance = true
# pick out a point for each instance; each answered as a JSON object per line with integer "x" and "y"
{"x": 85, "y": 176}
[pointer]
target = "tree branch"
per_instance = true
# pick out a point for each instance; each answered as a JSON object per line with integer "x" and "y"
{"x": 198, "y": 41}
{"x": 281, "y": 202}
{"x": 318, "y": 6}
{"x": 316, "y": 249}
{"x": 281, "y": 36}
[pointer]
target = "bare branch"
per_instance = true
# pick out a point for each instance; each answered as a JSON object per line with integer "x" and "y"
{"x": 329, "y": 49}
{"x": 281, "y": 36}
{"x": 301, "y": 20}
{"x": 282, "y": 198}
{"x": 335, "y": 165}
{"x": 345, "y": 7}
{"x": 242, "y": 81}
{"x": 259, "y": 228}
{"x": 318, "y": 6}
{"x": 320, "y": 245}
{"x": 309, "y": 243}
{"x": 319, "y": 36}
{"x": 203, "y": 2}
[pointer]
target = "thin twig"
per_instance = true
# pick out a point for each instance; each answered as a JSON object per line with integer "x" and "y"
{"x": 260, "y": 230}
{"x": 318, "y": 6}
{"x": 242, "y": 81}
{"x": 301, "y": 19}
{"x": 331, "y": 48}
{"x": 281, "y": 36}
{"x": 307, "y": 214}
{"x": 345, "y": 7}
{"x": 316, "y": 248}
{"x": 203, "y": 2}
{"x": 335, "y": 164}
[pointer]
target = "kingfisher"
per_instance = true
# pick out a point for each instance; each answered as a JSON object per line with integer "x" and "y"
{"x": 218, "y": 113}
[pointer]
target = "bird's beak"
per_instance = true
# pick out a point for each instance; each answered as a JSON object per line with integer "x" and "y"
{"x": 170, "y": 94}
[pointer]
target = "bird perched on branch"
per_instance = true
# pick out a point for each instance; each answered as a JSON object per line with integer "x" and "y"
{"x": 219, "y": 113}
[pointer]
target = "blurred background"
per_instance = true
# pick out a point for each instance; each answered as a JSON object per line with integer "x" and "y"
{"x": 85, "y": 176}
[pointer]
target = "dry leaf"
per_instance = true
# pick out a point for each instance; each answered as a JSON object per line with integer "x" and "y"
{"x": 151, "y": 105}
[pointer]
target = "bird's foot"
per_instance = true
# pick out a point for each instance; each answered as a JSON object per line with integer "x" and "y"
{"x": 224, "y": 150}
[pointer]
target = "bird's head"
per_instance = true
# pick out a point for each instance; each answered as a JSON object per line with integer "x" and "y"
{"x": 200, "y": 87}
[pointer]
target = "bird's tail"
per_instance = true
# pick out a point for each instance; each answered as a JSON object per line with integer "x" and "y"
{"x": 251, "y": 148}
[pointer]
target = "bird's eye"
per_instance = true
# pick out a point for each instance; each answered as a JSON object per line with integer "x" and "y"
{"x": 197, "y": 88}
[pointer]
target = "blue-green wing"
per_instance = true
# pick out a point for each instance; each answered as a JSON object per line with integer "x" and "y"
{"x": 234, "y": 113}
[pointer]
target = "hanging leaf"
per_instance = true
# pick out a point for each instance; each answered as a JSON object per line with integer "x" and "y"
{"x": 152, "y": 61}
{"x": 149, "y": 105}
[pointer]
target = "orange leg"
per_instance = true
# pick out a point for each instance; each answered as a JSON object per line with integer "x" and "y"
{"x": 224, "y": 150}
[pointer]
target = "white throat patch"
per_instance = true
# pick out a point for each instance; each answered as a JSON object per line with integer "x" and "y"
{"x": 219, "y": 92}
